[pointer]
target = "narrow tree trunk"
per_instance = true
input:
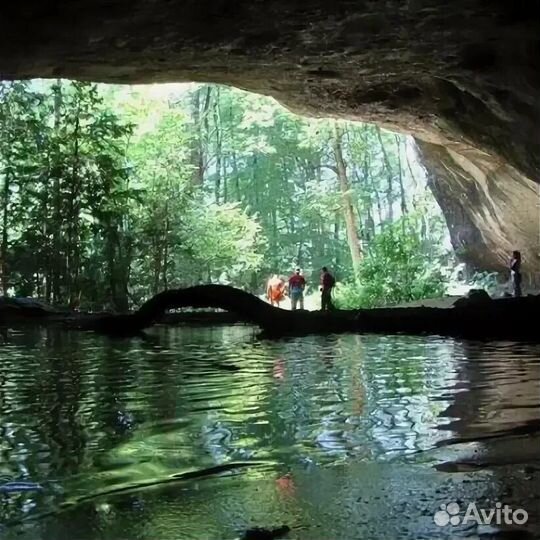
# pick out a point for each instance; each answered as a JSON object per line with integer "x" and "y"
{"x": 197, "y": 158}
{"x": 110, "y": 254}
{"x": 224, "y": 179}
{"x": 4, "y": 245}
{"x": 348, "y": 207}
{"x": 47, "y": 255}
{"x": 389, "y": 176}
{"x": 74, "y": 233}
{"x": 336, "y": 242}
{"x": 413, "y": 177}
{"x": 273, "y": 214}
{"x": 236, "y": 178}
{"x": 157, "y": 263}
{"x": 218, "y": 143}
{"x": 57, "y": 225}
{"x": 400, "y": 178}
{"x": 166, "y": 251}
{"x": 124, "y": 249}
{"x": 255, "y": 182}
{"x": 370, "y": 224}
{"x": 121, "y": 275}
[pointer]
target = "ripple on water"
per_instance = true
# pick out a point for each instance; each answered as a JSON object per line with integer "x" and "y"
{"x": 155, "y": 436}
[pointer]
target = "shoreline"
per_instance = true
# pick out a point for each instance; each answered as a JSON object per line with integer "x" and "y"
{"x": 476, "y": 316}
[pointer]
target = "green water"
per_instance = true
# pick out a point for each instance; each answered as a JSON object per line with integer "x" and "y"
{"x": 206, "y": 433}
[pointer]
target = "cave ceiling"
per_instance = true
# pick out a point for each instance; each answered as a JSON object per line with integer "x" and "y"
{"x": 463, "y": 77}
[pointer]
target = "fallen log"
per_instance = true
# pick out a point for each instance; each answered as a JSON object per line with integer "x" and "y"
{"x": 507, "y": 318}
{"x": 247, "y": 307}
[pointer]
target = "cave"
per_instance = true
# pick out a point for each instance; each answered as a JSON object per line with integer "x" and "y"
{"x": 220, "y": 433}
{"x": 462, "y": 79}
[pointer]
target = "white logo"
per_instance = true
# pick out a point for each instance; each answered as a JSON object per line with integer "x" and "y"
{"x": 500, "y": 515}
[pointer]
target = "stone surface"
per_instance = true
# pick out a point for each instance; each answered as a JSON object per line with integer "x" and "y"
{"x": 462, "y": 74}
{"x": 491, "y": 209}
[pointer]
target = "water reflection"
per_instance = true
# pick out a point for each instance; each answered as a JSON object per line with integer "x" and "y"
{"x": 201, "y": 433}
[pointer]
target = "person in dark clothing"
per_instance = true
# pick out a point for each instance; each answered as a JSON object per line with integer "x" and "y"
{"x": 515, "y": 272}
{"x": 327, "y": 283}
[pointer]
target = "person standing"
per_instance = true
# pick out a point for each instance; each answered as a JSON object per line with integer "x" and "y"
{"x": 515, "y": 272}
{"x": 297, "y": 284}
{"x": 275, "y": 290}
{"x": 327, "y": 284}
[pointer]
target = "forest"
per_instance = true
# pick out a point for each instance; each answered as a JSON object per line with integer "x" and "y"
{"x": 110, "y": 194}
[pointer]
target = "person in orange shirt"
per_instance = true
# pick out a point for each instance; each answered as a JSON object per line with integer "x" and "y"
{"x": 275, "y": 290}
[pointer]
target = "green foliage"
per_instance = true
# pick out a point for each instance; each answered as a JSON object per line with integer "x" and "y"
{"x": 64, "y": 183}
{"x": 111, "y": 194}
{"x": 224, "y": 240}
{"x": 399, "y": 267}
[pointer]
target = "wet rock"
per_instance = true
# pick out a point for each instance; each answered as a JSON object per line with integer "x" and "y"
{"x": 28, "y": 304}
{"x": 258, "y": 533}
{"x": 24, "y": 308}
{"x": 490, "y": 208}
{"x": 474, "y": 297}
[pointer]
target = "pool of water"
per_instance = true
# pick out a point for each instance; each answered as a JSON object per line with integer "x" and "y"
{"x": 206, "y": 433}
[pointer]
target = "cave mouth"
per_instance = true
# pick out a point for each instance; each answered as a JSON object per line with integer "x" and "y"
{"x": 227, "y": 145}
{"x": 322, "y": 437}
{"x": 169, "y": 186}
{"x": 462, "y": 80}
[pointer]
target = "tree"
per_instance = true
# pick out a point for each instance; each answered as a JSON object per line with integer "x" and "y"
{"x": 399, "y": 267}
{"x": 111, "y": 194}
{"x": 348, "y": 208}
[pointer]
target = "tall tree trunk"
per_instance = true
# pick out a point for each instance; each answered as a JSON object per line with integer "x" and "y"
{"x": 57, "y": 224}
{"x": 45, "y": 290}
{"x": 273, "y": 214}
{"x": 236, "y": 177}
{"x": 351, "y": 223}
{"x": 370, "y": 224}
{"x": 389, "y": 176}
{"x": 124, "y": 249}
{"x": 336, "y": 242}
{"x": 370, "y": 184}
{"x": 4, "y": 245}
{"x": 197, "y": 157}
{"x": 413, "y": 177}
{"x": 157, "y": 262}
{"x": 218, "y": 143}
{"x": 116, "y": 269}
{"x": 224, "y": 180}
{"x": 73, "y": 250}
{"x": 110, "y": 253}
{"x": 255, "y": 182}
{"x": 400, "y": 178}
{"x": 166, "y": 251}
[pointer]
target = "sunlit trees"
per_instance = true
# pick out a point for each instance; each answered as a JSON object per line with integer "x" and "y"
{"x": 111, "y": 194}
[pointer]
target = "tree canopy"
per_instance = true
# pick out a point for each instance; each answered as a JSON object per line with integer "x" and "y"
{"x": 110, "y": 194}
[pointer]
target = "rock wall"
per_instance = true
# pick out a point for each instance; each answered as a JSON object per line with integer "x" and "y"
{"x": 463, "y": 75}
{"x": 491, "y": 209}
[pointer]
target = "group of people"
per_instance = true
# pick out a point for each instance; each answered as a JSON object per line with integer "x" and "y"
{"x": 277, "y": 288}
